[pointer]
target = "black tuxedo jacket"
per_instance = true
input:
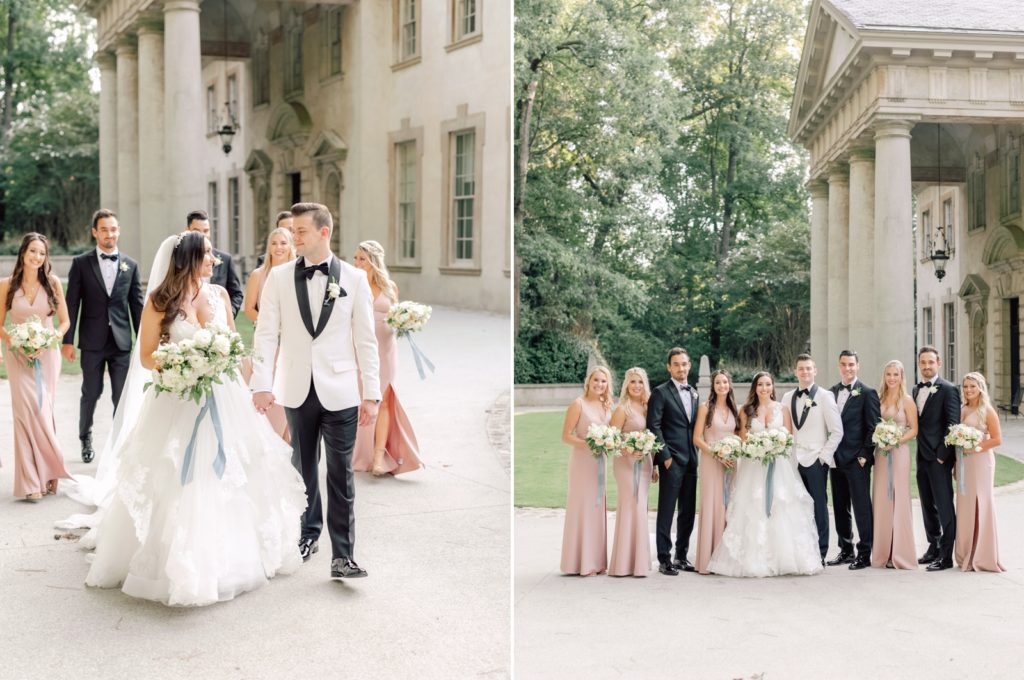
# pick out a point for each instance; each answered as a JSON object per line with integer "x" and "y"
{"x": 666, "y": 418}
{"x": 224, "y": 275}
{"x": 121, "y": 311}
{"x": 940, "y": 411}
{"x": 860, "y": 416}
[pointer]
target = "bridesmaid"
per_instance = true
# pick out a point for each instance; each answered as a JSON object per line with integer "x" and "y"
{"x": 716, "y": 419}
{"x": 893, "y": 524}
{"x": 388, "y": 445}
{"x": 631, "y": 547}
{"x": 977, "y": 545}
{"x": 585, "y": 535}
{"x": 280, "y": 250}
{"x": 32, "y": 290}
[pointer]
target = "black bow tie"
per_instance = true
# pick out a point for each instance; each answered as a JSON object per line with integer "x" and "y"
{"x": 924, "y": 384}
{"x": 684, "y": 386}
{"x": 309, "y": 271}
{"x": 802, "y": 393}
{"x": 112, "y": 258}
{"x": 848, "y": 388}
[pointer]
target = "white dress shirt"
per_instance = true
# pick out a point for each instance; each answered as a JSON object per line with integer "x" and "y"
{"x": 108, "y": 268}
{"x": 844, "y": 395}
{"x": 684, "y": 396}
{"x": 923, "y": 394}
{"x": 317, "y": 288}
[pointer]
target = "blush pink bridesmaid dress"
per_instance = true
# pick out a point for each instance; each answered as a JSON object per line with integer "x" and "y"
{"x": 585, "y": 534}
{"x": 401, "y": 449}
{"x": 38, "y": 460}
{"x": 631, "y": 547}
{"x": 893, "y": 518}
{"x": 977, "y": 544}
{"x": 712, "y": 490}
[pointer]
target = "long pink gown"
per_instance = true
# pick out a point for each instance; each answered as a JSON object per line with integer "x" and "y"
{"x": 712, "y": 490}
{"x": 585, "y": 534}
{"x": 977, "y": 542}
{"x": 893, "y": 519}
{"x": 631, "y": 547}
{"x": 38, "y": 459}
{"x": 402, "y": 451}
{"x": 275, "y": 414}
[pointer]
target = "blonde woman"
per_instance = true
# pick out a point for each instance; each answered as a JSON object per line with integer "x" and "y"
{"x": 893, "y": 528}
{"x": 977, "y": 543}
{"x": 387, "y": 446}
{"x": 280, "y": 250}
{"x": 585, "y": 534}
{"x": 631, "y": 547}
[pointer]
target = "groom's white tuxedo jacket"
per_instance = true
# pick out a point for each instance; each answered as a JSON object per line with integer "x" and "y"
{"x": 822, "y": 430}
{"x": 325, "y": 353}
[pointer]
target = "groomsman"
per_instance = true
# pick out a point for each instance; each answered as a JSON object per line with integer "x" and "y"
{"x": 671, "y": 412}
{"x": 818, "y": 429}
{"x": 104, "y": 285}
{"x": 224, "y": 273}
{"x": 938, "y": 406}
{"x": 851, "y": 477}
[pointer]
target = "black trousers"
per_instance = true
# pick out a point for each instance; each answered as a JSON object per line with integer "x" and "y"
{"x": 851, "y": 488}
{"x": 94, "y": 363}
{"x": 935, "y": 488}
{"x": 677, "y": 493}
{"x": 815, "y": 478}
{"x": 308, "y": 424}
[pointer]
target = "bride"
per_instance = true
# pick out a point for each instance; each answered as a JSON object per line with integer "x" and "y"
{"x": 753, "y": 543}
{"x": 222, "y": 532}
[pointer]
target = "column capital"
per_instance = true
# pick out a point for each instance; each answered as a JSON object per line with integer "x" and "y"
{"x": 126, "y": 45}
{"x": 181, "y": 6}
{"x": 106, "y": 60}
{"x": 150, "y": 27}
{"x": 893, "y": 127}
{"x": 818, "y": 187}
{"x": 839, "y": 173}
{"x": 862, "y": 154}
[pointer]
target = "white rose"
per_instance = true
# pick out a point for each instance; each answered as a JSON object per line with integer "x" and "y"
{"x": 202, "y": 338}
{"x": 222, "y": 345}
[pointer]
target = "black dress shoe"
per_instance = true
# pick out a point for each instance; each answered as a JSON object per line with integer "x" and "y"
{"x": 344, "y": 567}
{"x": 308, "y": 546}
{"x": 929, "y": 556}
{"x": 859, "y": 563}
{"x": 939, "y": 565}
{"x": 87, "y": 452}
{"x": 683, "y": 565}
{"x": 841, "y": 558}
{"x": 667, "y": 569}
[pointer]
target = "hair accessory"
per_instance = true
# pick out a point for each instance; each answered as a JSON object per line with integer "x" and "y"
{"x": 178, "y": 242}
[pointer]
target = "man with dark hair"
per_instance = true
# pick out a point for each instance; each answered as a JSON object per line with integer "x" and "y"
{"x": 851, "y": 477}
{"x": 284, "y": 219}
{"x": 938, "y": 406}
{"x": 223, "y": 271}
{"x": 104, "y": 284}
{"x": 671, "y": 412}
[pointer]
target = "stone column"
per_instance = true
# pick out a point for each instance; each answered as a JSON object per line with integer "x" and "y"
{"x": 108, "y": 130}
{"x": 819, "y": 268}
{"x": 894, "y": 248}
{"x": 838, "y": 273}
{"x": 154, "y": 222}
{"x": 128, "y": 148}
{"x": 183, "y": 113}
{"x": 862, "y": 301}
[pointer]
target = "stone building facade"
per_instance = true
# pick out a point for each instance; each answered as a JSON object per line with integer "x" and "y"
{"x": 393, "y": 113}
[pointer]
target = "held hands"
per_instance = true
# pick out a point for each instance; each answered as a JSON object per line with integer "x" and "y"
{"x": 262, "y": 401}
{"x": 68, "y": 352}
{"x": 367, "y": 412}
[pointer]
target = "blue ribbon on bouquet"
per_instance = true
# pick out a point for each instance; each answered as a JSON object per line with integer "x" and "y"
{"x": 221, "y": 460}
{"x": 636, "y": 478}
{"x": 601, "y": 464}
{"x": 960, "y": 476}
{"x": 768, "y": 486}
{"x": 889, "y": 454}
{"x": 37, "y": 367}
{"x": 725, "y": 487}
{"x": 420, "y": 357}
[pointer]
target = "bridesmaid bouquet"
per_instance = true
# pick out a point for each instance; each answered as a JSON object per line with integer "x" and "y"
{"x": 32, "y": 336}
{"x": 639, "y": 444}
{"x": 603, "y": 439}
{"x": 188, "y": 369}
{"x": 768, "y": 445}
{"x": 965, "y": 437}
{"x": 406, "y": 318}
{"x": 887, "y": 433}
{"x": 727, "y": 448}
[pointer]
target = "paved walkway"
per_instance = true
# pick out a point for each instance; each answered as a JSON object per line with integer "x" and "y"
{"x": 436, "y": 543}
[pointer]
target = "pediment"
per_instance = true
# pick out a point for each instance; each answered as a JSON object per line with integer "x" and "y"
{"x": 258, "y": 163}
{"x": 290, "y": 125}
{"x": 1004, "y": 243}
{"x": 973, "y": 287}
{"x": 328, "y": 146}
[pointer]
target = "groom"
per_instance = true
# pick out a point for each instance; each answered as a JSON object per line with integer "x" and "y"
{"x": 317, "y": 309}
{"x": 818, "y": 429}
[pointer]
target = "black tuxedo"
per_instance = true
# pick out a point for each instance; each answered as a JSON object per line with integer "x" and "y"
{"x": 104, "y": 329}
{"x": 224, "y": 275}
{"x": 667, "y": 419}
{"x": 851, "y": 483}
{"x": 934, "y": 479}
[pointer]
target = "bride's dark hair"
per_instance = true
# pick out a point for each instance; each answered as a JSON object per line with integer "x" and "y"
{"x": 185, "y": 270}
{"x": 750, "y": 405}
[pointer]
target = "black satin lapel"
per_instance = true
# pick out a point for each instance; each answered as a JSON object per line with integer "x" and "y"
{"x": 792, "y": 410}
{"x": 94, "y": 263}
{"x": 328, "y": 302}
{"x": 302, "y": 294}
{"x": 807, "y": 408}
{"x": 674, "y": 389}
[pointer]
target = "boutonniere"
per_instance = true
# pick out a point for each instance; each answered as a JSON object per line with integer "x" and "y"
{"x": 334, "y": 291}
{"x": 933, "y": 389}
{"x": 809, "y": 402}
{"x": 123, "y": 266}
{"x": 855, "y": 392}
{"x": 217, "y": 261}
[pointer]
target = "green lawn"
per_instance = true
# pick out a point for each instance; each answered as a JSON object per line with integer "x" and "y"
{"x": 541, "y": 464}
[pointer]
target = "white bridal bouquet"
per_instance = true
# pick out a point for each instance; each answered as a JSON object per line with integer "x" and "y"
{"x": 727, "y": 448}
{"x": 887, "y": 433}
{"x": 32, "y": 336}
{"x": 603, "y": 439}
{"x": 768, "y": 445}
{"x": 188, "y": 369}
{"x": 639, "y": 444}
{"x": 408, "y": 317}
{"x": 964, "y": 436}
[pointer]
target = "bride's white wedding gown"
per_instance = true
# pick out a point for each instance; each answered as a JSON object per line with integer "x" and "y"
{"x": 754, "y": 544}
{"x": 215, "y": 537}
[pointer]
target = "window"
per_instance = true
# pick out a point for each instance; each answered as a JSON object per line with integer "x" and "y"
{"x": 405, "y": 165}
{"x": 293, "y": 65}
{"x": 947, "y": 225}
{"x": 261, "y": 71}
{"x": 1010, "y": 203}
{"x": 927, "y": 327}
{"x": 408, "y": 45}
{"x": 462, "y": 143}
{"x": 211, "y": 110}
{"x": 926, "y": 232}
{"x": 332, "y": 199}
{"x": 213, "y": 203}
{"x": 465, "y": 19}
{"x": 332, "y": 41}
{"x": 976, "y": 195}
{"x": 234, "y": 215}
{"x": 464, "y": 194}
{"x": 949, "y": 312}
{"x": 232, "y": 97}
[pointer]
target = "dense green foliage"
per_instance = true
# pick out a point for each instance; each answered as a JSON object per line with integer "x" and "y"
{"x": 658, "y": 201}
